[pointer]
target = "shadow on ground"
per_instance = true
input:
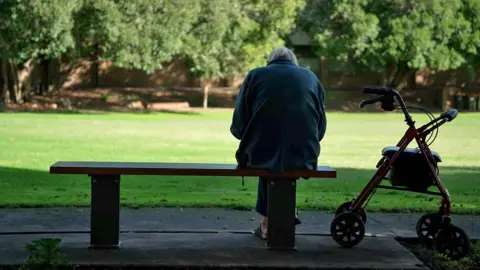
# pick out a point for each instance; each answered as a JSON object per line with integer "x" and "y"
{"x": 125, "y": 99}
{"x": 37, "y": 188}
{"x": 230, "y": 251}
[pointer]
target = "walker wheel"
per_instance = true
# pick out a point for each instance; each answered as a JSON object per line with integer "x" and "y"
{"x": 345, "y": 207}
{"x": 453, "y": 242}
{"x": 347, "y": 229}
{"x": 427, "y": 227}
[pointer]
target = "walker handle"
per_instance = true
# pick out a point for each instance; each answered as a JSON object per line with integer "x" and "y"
{"x": 376, "y": 90}
{"x": 449, "y": 115}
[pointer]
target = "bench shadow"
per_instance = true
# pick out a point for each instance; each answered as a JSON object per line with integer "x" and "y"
{"x": 27, "y": 188}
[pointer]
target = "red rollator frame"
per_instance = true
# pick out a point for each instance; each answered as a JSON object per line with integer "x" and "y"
{"x": 433, "y": 229}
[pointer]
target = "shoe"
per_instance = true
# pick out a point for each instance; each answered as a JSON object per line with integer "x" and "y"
{"x": 297, "y": 221}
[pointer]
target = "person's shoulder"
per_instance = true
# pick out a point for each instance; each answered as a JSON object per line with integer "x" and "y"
{"x": 308, "y": 71}
{"x": 254, "y": 72}
{"x": 257, "y": 70}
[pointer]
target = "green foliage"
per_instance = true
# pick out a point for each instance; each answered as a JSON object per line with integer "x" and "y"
{"x": 218, "y": 37}
{"x": 271, "y": 21}
{"x": 205, "y": 43}
{"x": 131, "y": 97}
{"x": 140, "y": 34}
{"x": 408, "y": 34}
{"x": 471, "y": 262}
{"x": 44, "y": 254}
{"x": 31, "y": 29}
{"x": 104, "y": 97}
{"x": 231, "y": 37}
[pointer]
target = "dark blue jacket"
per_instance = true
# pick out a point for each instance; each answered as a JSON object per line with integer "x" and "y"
{"x": 279, "y": 118}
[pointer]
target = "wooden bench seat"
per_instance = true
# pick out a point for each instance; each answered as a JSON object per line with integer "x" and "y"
{"x": 105, "y": 194}
{"x": 199, "y": 169}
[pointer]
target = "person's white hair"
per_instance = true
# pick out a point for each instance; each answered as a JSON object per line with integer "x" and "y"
{"x": 283, "y": 52}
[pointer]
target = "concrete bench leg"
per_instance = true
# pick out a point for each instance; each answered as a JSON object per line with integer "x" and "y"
{"x": 105, "y": 212}
{"x": 281, "y": 214}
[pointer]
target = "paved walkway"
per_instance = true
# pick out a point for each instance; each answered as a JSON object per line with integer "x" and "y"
{"x": 220, "y": 251}
{"x": 188, "y": 219}
{"x": 169, "y": 237}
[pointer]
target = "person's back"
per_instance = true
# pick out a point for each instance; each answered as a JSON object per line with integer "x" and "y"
{"x": 280, "y": 118}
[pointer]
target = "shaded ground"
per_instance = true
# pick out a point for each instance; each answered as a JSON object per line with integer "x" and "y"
{"x": 189, "y": 237}
{"x": 47, "y": 220}
{"x": 128, "y": 99}
{"x": 198, "y": 238}
{"x": 222, "y": 250}
{"x": 176, "y": 98}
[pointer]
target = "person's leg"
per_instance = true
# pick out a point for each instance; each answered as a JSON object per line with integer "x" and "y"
{"x": 262, "y": 196}
{"x": 261, "y": 207}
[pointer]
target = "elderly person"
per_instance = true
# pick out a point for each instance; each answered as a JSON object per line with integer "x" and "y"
{"x": 280, "y": 120}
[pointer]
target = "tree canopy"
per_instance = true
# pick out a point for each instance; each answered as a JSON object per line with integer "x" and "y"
{"x": 217, "y": 37}
{"x": 141, "y": 34}
{"x": 231, "y": 37}
{"x": 30, "y": 29}
{"x": 396, "y": 36}
{"x": 220, "y": 38}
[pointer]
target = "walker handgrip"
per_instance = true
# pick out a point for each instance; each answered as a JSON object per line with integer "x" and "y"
{"x": 377, "y": 90}
{"x": 450, "y": 114}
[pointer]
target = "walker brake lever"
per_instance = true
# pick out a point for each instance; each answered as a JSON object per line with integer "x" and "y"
{"x": 371, "y": 101}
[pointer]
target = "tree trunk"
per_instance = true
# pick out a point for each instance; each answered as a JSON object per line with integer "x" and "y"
{"x": 25, "y": 78}
{"x": 3, "y": 85}
{"x": 54, "y": 74}
{"x": 398, "y": 75}
{"x": 324, "y": 71}
{"x": 13, "y": 83}
{"x": 390, "y": 74}
{"x": 206, "y": 87}
{"x": 402, "y": 79}
{"x": 44, "y": 82}
{"x": 95, "y": 66}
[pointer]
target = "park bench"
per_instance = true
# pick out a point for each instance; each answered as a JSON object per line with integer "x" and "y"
{"x": 105, "y": 194}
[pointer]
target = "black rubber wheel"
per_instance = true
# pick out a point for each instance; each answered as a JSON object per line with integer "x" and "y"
{"x": 453, "y": 242}
{"x": 347, "y": 229}
{"x": 427, "y": 228}
{"x": 344, "y": 207}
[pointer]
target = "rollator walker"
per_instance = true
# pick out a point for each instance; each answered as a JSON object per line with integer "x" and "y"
{"x": 407, "y": 169}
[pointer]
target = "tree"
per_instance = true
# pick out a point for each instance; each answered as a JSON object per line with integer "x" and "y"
{"x": 31, "y": 31}
{"x": 231, "y": 37}
{"x": 140, "y": 34}
{"x": 204, "y": 46}
{"x": 396, "y": 37}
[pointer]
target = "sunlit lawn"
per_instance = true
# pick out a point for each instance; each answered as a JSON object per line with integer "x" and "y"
{"x": 30, "y": 143}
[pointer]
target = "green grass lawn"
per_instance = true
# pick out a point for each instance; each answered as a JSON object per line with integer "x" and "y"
{"x": 30, "y": 143}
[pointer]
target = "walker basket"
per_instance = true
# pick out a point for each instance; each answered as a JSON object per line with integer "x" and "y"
{"x": 411, "y": 169}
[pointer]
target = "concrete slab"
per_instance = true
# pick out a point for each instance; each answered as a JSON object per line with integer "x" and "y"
{"x": 160, "y": 219}
{"x": 206, "y": 219}
{"x": 221, "y": 250}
